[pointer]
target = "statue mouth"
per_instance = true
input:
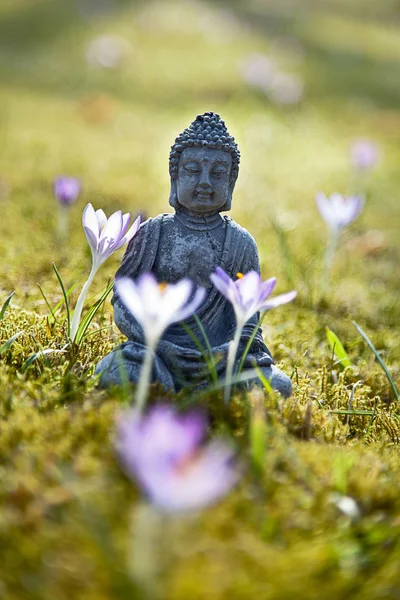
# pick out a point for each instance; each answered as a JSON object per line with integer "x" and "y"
{"x": 203, "y": 195}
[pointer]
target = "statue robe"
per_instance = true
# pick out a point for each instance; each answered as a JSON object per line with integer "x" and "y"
{"x": 178, "y": 361}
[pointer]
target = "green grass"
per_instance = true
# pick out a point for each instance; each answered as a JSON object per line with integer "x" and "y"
{"x": 66, "y": 507}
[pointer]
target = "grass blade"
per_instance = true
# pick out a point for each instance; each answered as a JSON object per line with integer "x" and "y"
{"x": 69, "y": 292}
{"x": 288, "y": 260}
{"x": 65, "y": 298}
{"x": 210, "y": 352}
{"x": 89, "y": 316}
{"x": 47, "y": 303}
{"x": 378, "y": 358}
{"x": 250, "y": 342}
{"x": 202, "y": 350}
{"x": 351, "y": 412}
{"x": 5, "y": 305}
{"x": 36, "y": 355}
{"x": 9, "y": 342}
{"x": 337, "y": 348}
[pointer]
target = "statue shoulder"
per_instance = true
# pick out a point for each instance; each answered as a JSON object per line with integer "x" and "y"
{"x": 241, "y": 252}
{"x": 240, "y": 235}
{"x": 141, "y": 250}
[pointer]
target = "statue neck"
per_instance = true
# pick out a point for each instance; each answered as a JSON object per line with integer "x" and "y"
{"x": 197, "y": 221}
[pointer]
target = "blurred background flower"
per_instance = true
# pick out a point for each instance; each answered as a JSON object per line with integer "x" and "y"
{"x": 108, "y": 51}
{"x": 66, "y": 189}
{"x": 365, "y": 154}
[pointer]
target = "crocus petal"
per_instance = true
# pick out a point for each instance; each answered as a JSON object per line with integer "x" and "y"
{"x": 222, "y": 275}
{"x": 172, "y": 302}
{"x": 126, "y": 218}
{"x": 221, "y": 285}
{"x": 90, "y": 227}
{"x": 164, "y": 452}
{"x": 192, "y": 306}
{"x": 267, "y": 288}
{"x": 127, "y": 291}
{"x": 112, "y": 229}
{"x": 101, "y": 219}
{"x": 278, "y": 300}
{"x": 132, "y": 230}
{"x": 149, "y": 292}
{"x": 248, "y": 287}
{"x": 160, "y": 439}
{"x": 225, "y": 285}
{"x": 325, "y": 209}
{"x": 129, "y": 235}
{"x": 211, "y": 475}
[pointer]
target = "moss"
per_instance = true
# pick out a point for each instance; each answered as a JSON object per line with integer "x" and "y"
{"x": 65, "y": 504}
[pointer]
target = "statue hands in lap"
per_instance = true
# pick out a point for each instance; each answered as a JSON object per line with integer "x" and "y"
{"x": 204, "y": 164}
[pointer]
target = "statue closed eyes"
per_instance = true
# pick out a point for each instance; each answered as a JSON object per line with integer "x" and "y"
{"x": 203, "y": 165}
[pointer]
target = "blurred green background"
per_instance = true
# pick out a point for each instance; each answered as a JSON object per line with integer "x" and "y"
{"x": 99, "y": 89}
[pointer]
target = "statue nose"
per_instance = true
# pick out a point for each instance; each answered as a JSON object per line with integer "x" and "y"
{"x": 204, "y": 182}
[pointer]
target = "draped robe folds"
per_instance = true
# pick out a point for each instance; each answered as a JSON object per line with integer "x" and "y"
{"x": 178, "y": 361}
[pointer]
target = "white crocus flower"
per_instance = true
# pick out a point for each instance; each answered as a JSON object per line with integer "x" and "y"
{"x": 156, "y": 306}
{"x": 105, "y": 236}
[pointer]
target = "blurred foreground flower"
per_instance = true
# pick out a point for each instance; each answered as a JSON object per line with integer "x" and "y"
{"x": 105, "y": 236}
{"x": 66, "y": 191}
{"x": 338, "y": 212}
{"x": 364, "y": 154}
{"x": 156, "y": 306}
{"x": 248, "y": 295}
{"x": 165, "y": 452}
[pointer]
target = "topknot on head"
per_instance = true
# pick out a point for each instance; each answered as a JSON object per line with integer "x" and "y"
{"x": 207, "y": 130}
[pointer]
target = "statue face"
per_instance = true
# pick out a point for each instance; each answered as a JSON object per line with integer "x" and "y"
{"x": 204, "y": 184}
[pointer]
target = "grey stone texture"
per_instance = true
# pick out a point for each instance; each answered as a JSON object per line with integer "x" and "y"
{"x": 191, "y": 243}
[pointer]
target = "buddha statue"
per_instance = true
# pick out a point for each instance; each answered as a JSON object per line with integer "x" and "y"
{"x": 191, "y": 242}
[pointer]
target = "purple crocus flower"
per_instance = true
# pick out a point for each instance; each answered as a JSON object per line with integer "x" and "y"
{"x": 165, "y": 452}
{"x": 105, "y": 236}
{"x": 339, "y": 211}
{"x": 66, "y": 190}
{"x": 249, "y": 293}
{"x": 364, "y": 154}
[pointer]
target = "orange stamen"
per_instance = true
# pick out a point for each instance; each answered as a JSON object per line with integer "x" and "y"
{"x": 239, "y": 275}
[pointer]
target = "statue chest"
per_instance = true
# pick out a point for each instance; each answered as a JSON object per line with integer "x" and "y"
{"x": 186, "y": 253}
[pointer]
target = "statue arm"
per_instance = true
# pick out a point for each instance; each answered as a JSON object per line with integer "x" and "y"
{"x": 138, "y": 259}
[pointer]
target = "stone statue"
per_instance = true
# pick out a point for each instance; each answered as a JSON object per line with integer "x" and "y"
{"x": 203, "y": 166}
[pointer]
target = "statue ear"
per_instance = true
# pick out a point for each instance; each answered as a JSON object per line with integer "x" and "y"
{"x": 173, "y": 195}
{"x": 228, "y": 203}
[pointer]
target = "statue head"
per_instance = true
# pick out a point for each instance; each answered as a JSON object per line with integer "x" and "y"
{"x": 204, "y": 165}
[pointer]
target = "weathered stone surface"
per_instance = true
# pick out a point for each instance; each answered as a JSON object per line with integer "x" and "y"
{"x": 191, "y": 243}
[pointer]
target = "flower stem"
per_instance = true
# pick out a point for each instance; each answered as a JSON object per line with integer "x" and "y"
{"x": 79, "y": 305}
{"x": 63, "y": 222}
{"x": 144, "y": 379}
{"x": 230, "y": 363}
{"x": 329, "y": 256}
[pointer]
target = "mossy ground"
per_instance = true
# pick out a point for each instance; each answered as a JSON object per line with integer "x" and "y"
{"x": 66, "y": 506}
